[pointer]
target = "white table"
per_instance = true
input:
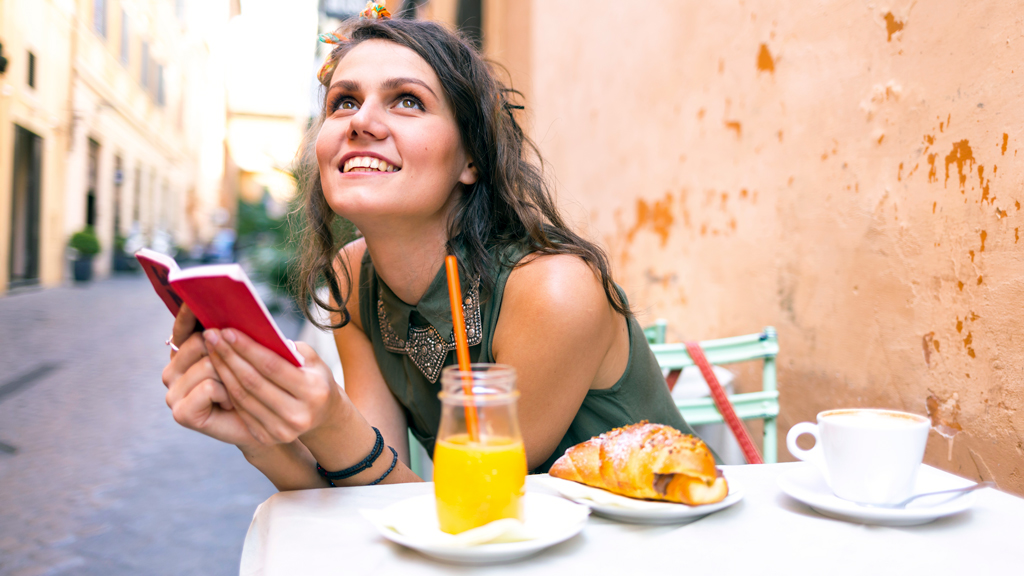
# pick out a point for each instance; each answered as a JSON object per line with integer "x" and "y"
{"x": 321, "y": 532}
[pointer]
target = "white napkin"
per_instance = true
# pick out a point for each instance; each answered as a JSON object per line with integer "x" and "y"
{"x": 416, "y": 518}
{"x": 577, "y": 492}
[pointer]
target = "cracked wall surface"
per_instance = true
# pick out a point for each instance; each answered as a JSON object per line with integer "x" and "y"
{"x": 847, "y": 172}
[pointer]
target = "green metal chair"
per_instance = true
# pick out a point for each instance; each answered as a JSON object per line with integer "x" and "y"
{"x": 418, "y": 459}
{"x": 763, "y": 405}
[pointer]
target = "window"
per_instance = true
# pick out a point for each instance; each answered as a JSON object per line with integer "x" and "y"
{"x": 118, "y": 181}
{"x": 469, "y": 19}
{"x": 99, "y": 17}
{"x": 137, "y": 197}
{"x": 410, "y": 9}
{"x": 91, "y": 180}
{"x": 161, "y": 98}
{"x": 125, "y": 47}
{"x": 144, "y": 72}
{"x": 31, "y": 70}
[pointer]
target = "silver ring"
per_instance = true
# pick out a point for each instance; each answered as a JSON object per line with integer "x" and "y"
{"x": 170, "y": 343}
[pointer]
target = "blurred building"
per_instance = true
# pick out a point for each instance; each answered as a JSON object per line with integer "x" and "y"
{"x": 112, "y": 115}
{"x": 271, "y": 47}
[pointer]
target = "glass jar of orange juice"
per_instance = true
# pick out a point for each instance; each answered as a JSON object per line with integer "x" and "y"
{"x": 479, "y": 460}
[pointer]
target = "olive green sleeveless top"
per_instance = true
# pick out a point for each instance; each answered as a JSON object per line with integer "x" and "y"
{"x": 413, "y": 343}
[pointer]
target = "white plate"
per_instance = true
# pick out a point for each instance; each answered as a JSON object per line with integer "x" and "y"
{"x": 548, "y": 520}
{"x": 805, "y": 483}
{"x": 625, "y": 509}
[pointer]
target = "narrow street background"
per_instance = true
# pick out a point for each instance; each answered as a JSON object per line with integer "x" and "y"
{"x": 95, "y": 475}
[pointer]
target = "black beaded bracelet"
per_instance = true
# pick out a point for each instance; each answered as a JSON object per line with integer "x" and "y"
{"x": 378, "y": 448}
{"x": 394, "y": 461}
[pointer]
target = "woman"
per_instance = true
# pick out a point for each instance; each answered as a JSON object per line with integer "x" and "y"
{"x": 418, "y": 147}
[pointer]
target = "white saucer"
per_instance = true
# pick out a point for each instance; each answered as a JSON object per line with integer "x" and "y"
{"x": 548, "y": 520}
{"x": 625, "y": 509}
{"x": 805, "y": 483}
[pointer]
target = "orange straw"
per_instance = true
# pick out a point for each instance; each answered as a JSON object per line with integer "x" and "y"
{"x": 451, "y": 265}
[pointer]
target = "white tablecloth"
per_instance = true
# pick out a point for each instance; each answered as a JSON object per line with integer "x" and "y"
{"x": 321, "y": 532}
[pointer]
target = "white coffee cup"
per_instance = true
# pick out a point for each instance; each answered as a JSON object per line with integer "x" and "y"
{"x": 866, "y": 455}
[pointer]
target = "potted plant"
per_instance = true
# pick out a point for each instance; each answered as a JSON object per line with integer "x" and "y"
{"x": 86, "y": 245}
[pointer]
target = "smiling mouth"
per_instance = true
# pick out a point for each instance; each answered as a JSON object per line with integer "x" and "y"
{"x": 367, "y": 164}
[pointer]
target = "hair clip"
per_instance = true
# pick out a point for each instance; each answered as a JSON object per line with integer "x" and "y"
{"x": 375, "y": 10}
{"x": 324, "y": 75}
{"x": 332, "y": 38}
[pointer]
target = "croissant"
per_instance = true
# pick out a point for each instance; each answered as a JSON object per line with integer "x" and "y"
{"x": 649, "y": 461}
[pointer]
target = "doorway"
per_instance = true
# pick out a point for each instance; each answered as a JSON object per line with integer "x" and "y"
{"x": 25, "y": 203}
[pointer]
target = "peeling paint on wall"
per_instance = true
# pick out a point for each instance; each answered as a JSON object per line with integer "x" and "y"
{"x": 765, "y": 63}
{"x": 945, "y": 417}
{"x": 960, "y": 155}
{"x": 656, "y": 216}
{"x": 892, "y": 25}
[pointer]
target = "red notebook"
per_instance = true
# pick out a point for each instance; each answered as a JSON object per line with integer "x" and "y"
{"x": 220, "y": 295}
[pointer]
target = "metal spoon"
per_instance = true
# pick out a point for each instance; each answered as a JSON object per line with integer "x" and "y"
{"x": 958, "y": 491}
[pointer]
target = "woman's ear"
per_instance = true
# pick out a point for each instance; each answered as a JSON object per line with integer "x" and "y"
{"x": 469, "y": 174}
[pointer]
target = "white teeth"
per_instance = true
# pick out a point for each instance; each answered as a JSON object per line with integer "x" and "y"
{"x": 375, "y": 164}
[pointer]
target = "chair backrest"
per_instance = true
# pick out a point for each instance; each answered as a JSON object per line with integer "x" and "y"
{"x": 761, "y": 346}
{"x": 655, "y": 333}
{"x": 756, "y": 405}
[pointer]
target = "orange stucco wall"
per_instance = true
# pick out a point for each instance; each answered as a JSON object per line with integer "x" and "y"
{"x": 847, "y": 172}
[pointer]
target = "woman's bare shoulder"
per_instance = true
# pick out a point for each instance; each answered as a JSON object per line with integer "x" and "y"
{"x": 554, "y": 308}
{"x": 557, "y": 283}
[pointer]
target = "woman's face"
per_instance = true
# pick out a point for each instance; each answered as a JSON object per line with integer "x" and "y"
{"x": 389, "y": 146}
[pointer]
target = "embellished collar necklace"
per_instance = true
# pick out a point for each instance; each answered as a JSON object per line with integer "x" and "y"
{"x": 424, "y": 344}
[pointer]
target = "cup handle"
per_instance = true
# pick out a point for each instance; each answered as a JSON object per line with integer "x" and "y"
{"x": 815, "y": 454}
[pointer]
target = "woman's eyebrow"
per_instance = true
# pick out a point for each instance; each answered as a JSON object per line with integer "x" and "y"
{"x": 395, "y": 83}
{"x": 346, "y": 85}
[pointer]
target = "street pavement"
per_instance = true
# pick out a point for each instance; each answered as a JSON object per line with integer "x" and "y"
{"x": 95, "y": 475}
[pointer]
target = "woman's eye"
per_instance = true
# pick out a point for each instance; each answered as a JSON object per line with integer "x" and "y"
{"x": 410, "y": 102}
{"x": 345, "y": 103}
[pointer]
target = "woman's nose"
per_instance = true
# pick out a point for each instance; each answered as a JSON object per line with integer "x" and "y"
{"x": 368, "y": 122}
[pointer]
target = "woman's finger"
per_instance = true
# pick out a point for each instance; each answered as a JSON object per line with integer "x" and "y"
{"x": 256, "y": 429}
{"x": 199, "y": 411}
{"x": 191, "y": 351}
{"x": 271, "y": 391}
{"x": 183, "y": 385}
{"x": 278, "y": 414}
{"x": 184, "y": 325}
{"x": 234, "y": 346}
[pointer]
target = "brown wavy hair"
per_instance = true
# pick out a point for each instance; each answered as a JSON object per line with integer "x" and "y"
{"x": 509, "y": 205}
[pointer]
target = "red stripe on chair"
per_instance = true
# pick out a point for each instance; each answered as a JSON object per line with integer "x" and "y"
{"x": 672, "y": 378}
{"x": 723, "y": 404}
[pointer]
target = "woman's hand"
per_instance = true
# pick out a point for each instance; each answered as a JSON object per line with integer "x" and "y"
{"x": 278, "y": 402}
{"x": 195, "y": 394}
{"x": 281, "y": 403}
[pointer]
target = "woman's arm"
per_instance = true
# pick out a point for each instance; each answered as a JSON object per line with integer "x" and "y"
{"x": 288, "y": 403}
{"x": 557, "y": 328}
{"x": 364, "y": 383}
{"x": 199, "y": 401}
